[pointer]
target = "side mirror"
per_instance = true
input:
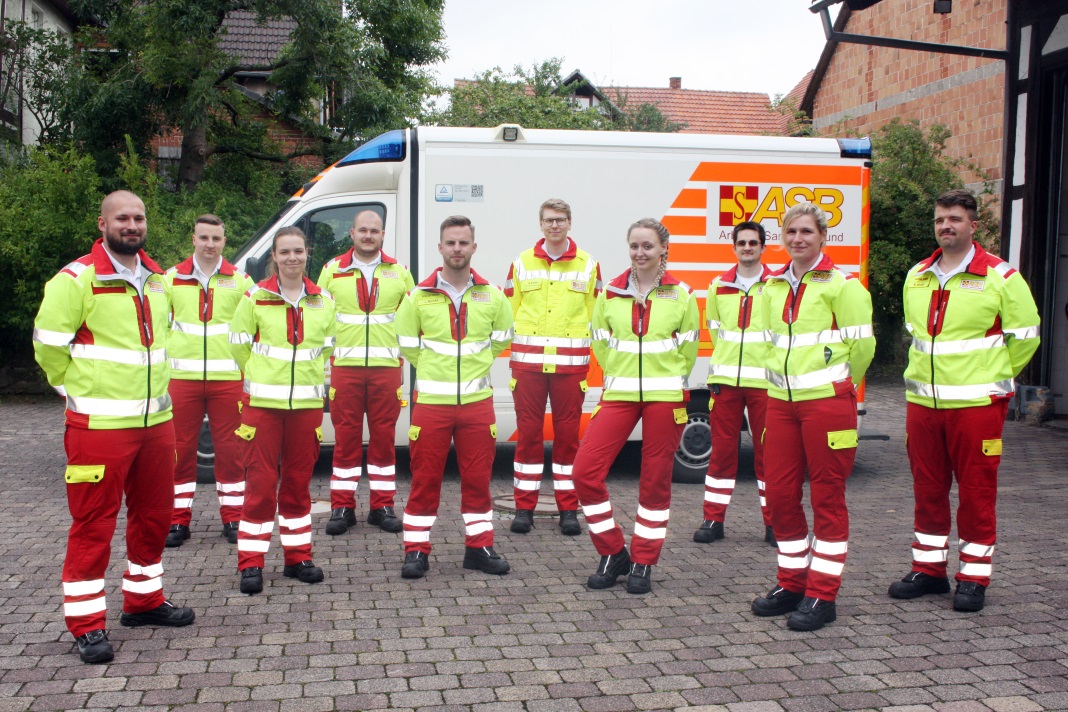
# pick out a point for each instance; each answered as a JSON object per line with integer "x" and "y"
{"x": 256, "y": 267}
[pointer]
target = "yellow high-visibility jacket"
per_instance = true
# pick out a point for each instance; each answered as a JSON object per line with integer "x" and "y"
{"x": 282, "y": 348}
{"x": 198, "y": 345}
{"x": 971, "y": 338}
{"x": 103, "y": 344}
{"x": 365, "y": 312}
{"x": 736, "y": 325}
{"x": 821, "y": 339}
{"x": 553, "y": 302}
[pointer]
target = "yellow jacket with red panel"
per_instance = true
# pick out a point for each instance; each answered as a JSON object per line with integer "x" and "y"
{"x": 283, "y": 348}
{"x": 103, "y": 344}
{"x": 821, "y": 339}
{"x": 552, "y": 301}
{"x": 365, "y": 311}
{"x": 199, "y": 342}
{"x": 736, "y": 325}
{"x": 646, "y": 352}
{"x": 971, "y": 338}
{"x": 453, "y": 349}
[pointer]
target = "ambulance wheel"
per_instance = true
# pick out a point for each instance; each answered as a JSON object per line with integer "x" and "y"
{"x": 205, "y": 456}
{"x": 695, "y": 447}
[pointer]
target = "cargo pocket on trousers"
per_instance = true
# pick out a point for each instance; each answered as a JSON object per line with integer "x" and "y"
{"x": 83, "y": 473}
{"x": 511, "y": 385}
{"x": 493, "y": 430}
{"x": 583, "y": 386}
{"x": 332, "y": 393}
{"x": 992, "y": 448}
{"x": 680, "y": 416}
{"x": 319, "y": 434}
{"x": 842, "y": 439}
{"x": 413, "y": 433}
{"x": 245, "y": 432}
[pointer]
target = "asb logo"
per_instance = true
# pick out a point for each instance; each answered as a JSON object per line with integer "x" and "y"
{"x": 737, "y": 203}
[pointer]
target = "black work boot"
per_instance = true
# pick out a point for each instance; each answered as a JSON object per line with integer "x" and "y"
{"x": 166, "y": 614}
{"x": 969, "y": 597}
{"x": 229, "y": 530}
{"x": 523, "y": 521}
{"x": 416, "y": 564}
{"x": 340, "y": 520}
{"x": 640, "y": 579}
{"x": 385, "y": 519}
{"x": 486, "y": 560}
{"x": 708, "y": 532}
{"x": 177, "y": 535}
{"x": 305, "y": 571}
{"x": 917, "y": 584}
{"x": 610, "y": 568}
{"x": 778, "y": 601}
{"x": 95, "y": 648}
{"x": 569, "y": 523}
{"x": 812, "y": 614}
{"x": 251, "y": 580}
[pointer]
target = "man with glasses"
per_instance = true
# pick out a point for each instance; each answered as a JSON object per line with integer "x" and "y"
{"x": 367, "y": 286}
{"x": 736, "y": 378}
{"x": 552, "y": 288}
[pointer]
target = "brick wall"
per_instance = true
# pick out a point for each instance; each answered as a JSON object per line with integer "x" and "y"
{"x": 865, "y": 87}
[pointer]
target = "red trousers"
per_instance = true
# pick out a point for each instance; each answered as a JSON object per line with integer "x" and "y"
{"x": 725, "y": 413}
{"x": 967, "y": 442}
{"x": 218, "y": 399}
{"x": 137, "y": 463}
{"x": 606, "y": 434}
{"x": 818, "y": 436}
{"x": 434, "y": 427}
{"x": 280, "y": 453}
{"x": 374, "y": 391}
{"x": 565, "y": 393}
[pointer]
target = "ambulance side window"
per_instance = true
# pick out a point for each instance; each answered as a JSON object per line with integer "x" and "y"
{"x": 328, "y": 232}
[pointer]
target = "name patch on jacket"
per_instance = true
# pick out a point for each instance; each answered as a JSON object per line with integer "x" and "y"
{"x": 976, "y": 284}
{"x": 662, "y": 293}
{"x": 481, "y": 297}
{"x": 314, "y": 302}
{"x": 226, "y": 283}
{"x": 155, "y": 287}
{"x": 431, "y": 299}
{"x": 579, "y": 286}
{"x": 820, "y": 277}
{"x": 389, "y": 274}
{"x": 923, "y": 280}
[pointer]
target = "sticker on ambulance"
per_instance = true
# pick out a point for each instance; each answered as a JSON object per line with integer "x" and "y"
{"x": 443, "y": 193}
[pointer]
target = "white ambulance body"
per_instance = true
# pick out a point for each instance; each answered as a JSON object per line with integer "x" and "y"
{"x": 699, "y": 186}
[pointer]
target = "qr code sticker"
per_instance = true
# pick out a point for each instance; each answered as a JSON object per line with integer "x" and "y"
{"x": 476, "y": 191}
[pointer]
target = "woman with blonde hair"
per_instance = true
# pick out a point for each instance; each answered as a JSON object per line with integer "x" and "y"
{"x": 644, "y": 326}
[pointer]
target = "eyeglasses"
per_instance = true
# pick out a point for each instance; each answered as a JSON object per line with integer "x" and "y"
{"x": 747, "y": 243}
{"x": 553, "y": 221}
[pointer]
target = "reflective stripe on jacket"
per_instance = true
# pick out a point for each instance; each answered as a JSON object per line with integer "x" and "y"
{"x": 737, "y": 327}
{"x": 453, "y": 349}
{"x": 282, "y": 348}
{"x": 819, "y": 338}
{"x": 365, "y": 312}
{"x": 971, "y": 338}
{"x": 552, "y": 301}
{"x": 198, "y": 344}
{"x": 646, "y": 352}
{"x": 103, "y": 345}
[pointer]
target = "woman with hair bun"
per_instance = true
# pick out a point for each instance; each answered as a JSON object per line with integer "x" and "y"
{"x": 644, "y": 328}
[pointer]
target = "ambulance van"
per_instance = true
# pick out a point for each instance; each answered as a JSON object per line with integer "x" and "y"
{"x": 699, "y": 186}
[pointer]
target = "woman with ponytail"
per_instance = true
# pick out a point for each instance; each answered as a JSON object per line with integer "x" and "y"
{"x": 644, "y": 331}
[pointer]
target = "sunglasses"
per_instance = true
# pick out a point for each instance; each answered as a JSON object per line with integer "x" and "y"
{"x": 747, "y": 243}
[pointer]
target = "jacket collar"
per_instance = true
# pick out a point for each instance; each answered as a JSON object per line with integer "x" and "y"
{"x": 981, "y": 260}
{"x": 731, "y": 275}
{"x": 271, "y": 285}
{"x": 569, "y": 254}
{"x": 347, "y": 260}
{"x": 824, "y": 265}
{"x": 185, "y": 267}
{"x": 621, "y": 284}
{"x": 104, "y": 268}
{"x": 431, "y": 282}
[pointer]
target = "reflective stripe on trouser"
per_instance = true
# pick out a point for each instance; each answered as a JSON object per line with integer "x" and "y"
{"x": 218, "y": 399}
{"x": 605, "y": 436}
{"x": 564, "y": 393}
{"x": 940, "y": 443}
{"x": 469, "y": 427}
{"x": 726, "y": 420}
{"x": 796, "y": 439}
{"x": 373, "y": 391}
{"x": 279, "y": 460}
{"x": 137, "y": 462}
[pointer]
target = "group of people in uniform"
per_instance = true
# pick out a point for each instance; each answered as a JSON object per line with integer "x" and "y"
{"x": 142, "y": 355}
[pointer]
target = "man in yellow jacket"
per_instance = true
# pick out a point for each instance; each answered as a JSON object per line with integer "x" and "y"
{"x": 974, "y": 327}
{"x": 552, "y": 288}
{"x": 205, "y": 290}
{"x": 451, "y": 327}
{"x": 100, "y": 338}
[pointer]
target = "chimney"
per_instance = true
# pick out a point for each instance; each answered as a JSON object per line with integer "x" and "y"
{"x": 675, "y": 82}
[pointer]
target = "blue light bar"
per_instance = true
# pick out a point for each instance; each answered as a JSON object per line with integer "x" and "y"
{"x": 390, "y": 146}
{"x": 855, "y": 147}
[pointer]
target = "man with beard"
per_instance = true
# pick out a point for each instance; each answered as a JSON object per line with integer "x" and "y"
{"x": 100, "y": 338}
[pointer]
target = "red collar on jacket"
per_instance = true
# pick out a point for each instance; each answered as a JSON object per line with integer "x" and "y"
{"x": 824, "y": 265}
{"x": 185, "y": 267}
{"x": 732, "y": 274}
{"x": 431, "y": 282}
{"x": 621, "y": 284}
{"x": 271, "y": 285}
{"x": 106, "y": 270}
{"x": 981, "y": 260}
{"x": 345, "y": 260}
{"x": 540, "y": 253}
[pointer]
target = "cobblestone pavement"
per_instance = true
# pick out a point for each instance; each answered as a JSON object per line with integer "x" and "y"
{"x": 536, "y": 639}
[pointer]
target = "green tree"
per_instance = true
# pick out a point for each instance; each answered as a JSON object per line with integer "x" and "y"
{"x": 643, "y": 117}
{"x": 910, "y": 169}
{"x": 161, "y": 65}
{"x": 35, "y": 74}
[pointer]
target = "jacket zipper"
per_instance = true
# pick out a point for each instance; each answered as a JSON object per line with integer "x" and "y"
{"x": 641, "y": 388}
{"x": 297, "y": 314}
{"x": 204, "y": 322}
{"x": 745, "y": 306}
{"x": 934, "y": 335}
{"x": 148, "y": 354}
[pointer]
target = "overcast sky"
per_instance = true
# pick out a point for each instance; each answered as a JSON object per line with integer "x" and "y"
{"x": 765, "y": 46}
